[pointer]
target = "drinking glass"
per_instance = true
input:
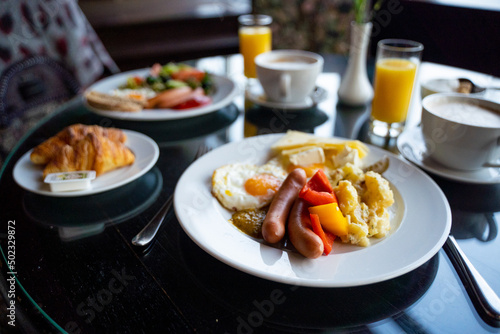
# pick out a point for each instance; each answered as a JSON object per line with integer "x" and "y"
{"x": 396, "y": 66}
{"x": 255, "y": 38}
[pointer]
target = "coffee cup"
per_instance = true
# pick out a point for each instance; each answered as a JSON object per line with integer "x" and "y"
{"x": 288, "y": 76}
{"x": 461, "y": 132}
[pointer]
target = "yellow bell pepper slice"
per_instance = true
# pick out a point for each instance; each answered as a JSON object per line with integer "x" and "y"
{"x": 331, "y": 218}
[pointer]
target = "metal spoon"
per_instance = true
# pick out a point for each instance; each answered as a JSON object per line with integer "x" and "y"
{"x": 472, "y": 87}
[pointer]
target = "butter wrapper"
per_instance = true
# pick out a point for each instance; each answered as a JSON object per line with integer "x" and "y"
{"x": 70, "y": 181}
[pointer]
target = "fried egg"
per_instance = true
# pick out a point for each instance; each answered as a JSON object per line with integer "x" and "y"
{"x": 246, "y": 186}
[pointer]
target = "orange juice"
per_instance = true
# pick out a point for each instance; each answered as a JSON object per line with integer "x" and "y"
{"x": 253, "y": 41}
{"x": 393, "y": 85}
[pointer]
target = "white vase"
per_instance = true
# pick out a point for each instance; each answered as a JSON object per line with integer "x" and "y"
{"x": 355, "y": 88}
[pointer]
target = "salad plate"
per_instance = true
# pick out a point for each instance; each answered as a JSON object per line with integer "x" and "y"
{"x": 411, "y": 144}
{"x": 29, "y": 176}
{"x": 420, "y": 223}
{"x": 225, "y": 92}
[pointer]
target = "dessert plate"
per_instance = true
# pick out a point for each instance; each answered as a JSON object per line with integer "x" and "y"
{"x": 411, "y": 144}
{"x": 29, "y": 176}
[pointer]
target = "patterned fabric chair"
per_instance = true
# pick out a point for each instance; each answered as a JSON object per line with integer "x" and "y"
{"x": 313, "y": 25}
{"x": 48, "y": 51}
{"x": 30, "y": 90}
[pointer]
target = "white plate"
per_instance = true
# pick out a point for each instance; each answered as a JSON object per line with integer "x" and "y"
{"x": 412, "y": 146}
{"x": 29, "y": 176}
{"x": 226, "y": 90}
{"x": 255, "y": 93}
{"x": 420, "y": 224}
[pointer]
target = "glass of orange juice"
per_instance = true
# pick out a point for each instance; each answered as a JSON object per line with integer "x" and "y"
{"x": 396, "y": 67}
{"x": 255, "y": 38}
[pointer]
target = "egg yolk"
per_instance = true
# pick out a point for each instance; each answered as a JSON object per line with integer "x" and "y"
{"x": 262, "y": 184}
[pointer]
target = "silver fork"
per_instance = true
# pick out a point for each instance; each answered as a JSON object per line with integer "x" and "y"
{"x": 144, "y": 239}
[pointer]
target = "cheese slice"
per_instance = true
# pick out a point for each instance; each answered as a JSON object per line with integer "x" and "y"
{"x": 297, "y": 150}
{"x": 295, "y": 141}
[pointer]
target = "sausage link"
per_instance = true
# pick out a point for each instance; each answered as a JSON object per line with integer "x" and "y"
{"x": 300, "y": 232}
{"x": 274, "y": 225}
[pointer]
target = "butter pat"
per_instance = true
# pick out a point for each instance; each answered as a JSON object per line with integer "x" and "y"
{"x": 347, "y": 155}
{"x": 308, "y": 157}
{"x": 70, "y": 181}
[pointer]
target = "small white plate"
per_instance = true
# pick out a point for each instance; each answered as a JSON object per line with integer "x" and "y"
{"x": 226, "y": 91}
{"x": 412, "y": 146}
{"x": 420, "y": 224}
{"x": 30, "y": 176}
{"x": 255, "y": 93}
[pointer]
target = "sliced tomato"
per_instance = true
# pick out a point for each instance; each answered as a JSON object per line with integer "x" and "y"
{"x": 138, "y": 80}
{"x": 197, "y": 101}
{"x": 186, "y": 74}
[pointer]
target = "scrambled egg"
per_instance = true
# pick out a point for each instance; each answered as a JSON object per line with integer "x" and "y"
{"x": 363, "y": 199}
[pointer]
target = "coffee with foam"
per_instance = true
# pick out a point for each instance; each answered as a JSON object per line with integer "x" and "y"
{"x": 467, "y": 113}
{"x": 288, "y": 76}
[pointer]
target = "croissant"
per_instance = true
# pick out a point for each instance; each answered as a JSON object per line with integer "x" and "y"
{"x": 93, "y": 152}
{"x": 43, "y": 153}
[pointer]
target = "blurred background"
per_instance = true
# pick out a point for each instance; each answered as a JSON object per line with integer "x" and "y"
{"x": 462, "y": 33}
{"x": 52, "y": 49}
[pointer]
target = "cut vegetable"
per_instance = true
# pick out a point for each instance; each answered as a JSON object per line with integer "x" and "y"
{"x": 331, "y": 218}
{"x": 318, "y": 190}
{"x": 319, "y": 182}
{"x": 318, "y": 198}
{"x": 326, "y": 237}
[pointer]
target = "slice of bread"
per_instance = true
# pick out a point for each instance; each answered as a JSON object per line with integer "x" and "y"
{"x": 110, "y": 102}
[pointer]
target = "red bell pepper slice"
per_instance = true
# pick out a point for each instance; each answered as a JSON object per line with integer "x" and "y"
{"x": 318, "y": 197}
{"x": 327, "y": 237}
{"x": 318, "y": 190}
{"x": 319, "y": 182}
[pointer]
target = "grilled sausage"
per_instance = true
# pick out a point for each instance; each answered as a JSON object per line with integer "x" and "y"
{"x": 300, "y": 232}
{"x": 274, "y": 225}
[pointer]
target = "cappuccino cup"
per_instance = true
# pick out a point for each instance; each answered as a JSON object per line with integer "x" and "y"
{"x": 288, "y": 76}
{"x": 461, "y": 132}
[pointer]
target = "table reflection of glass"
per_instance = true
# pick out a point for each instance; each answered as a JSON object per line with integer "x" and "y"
{"x": 97, "y": 283}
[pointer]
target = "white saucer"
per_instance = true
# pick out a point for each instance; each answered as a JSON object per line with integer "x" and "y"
{"x": 256, "y": 94}
{"x": 412, "y": 147}
{"x": 29, "y": 176}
